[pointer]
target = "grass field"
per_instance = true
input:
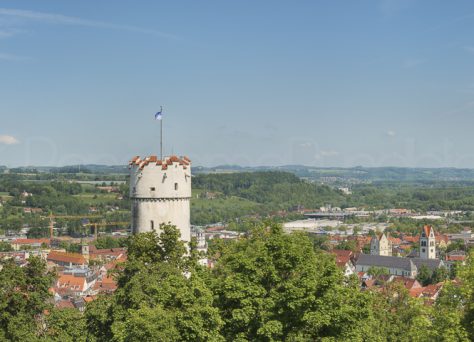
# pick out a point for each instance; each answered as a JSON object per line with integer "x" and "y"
{"x": 5, "y": 196}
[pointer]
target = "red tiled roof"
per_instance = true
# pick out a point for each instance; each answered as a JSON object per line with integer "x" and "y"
{"x": 183, "y": 161}
{"x": 432, "y": 290}
{"x": 427, "y": 230}
{"x": 413, "y": 239}
{"x": 108, "y": 284}
{"x": 455, "y": 257}
{"x": 408, "y": 282}
{"x": 441, "y": 237}
{"x": 73, "y": 258}
{"x": 89, "y": 299}
{"x": 395, "y": 241}
{"x": 71, "y": 282}
{"x": 30, "y": 241}
{"x": 65, "y": 304}
{"x": 342, "y": 256}
{"x": 416, "y": 292}
{"x": 369, "y": 283}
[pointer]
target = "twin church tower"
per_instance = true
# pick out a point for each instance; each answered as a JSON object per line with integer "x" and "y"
{"x": 381, "y": 244}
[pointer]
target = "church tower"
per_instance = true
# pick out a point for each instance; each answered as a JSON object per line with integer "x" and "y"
{"x": 427, "y": 243}
{"x": 160, "y": 191}
{"x": 380, "y": 245}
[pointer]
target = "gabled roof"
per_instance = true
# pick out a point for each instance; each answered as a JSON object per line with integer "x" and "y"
{"x": 30, "y": 241}
{"x": 408, "y": 283}
{"x": 73, "y": 258}
{"x": 427, "y": 230}
{"x": 65, "y": 304}
{"x": 394, "y": 240}
{"x": 71, "y": 282}
{"x": 342, "y": 256}
{"x": 432, "y": 264}
{"x": 385, "y": 261}
{"x": 455, "y": 257}
{"x": 413, "y": 239}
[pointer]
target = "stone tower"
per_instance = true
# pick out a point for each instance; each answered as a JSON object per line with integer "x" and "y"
{"x": 427, "y": 243}
{"x": 160, "y": 191}
{"x": 380, "y": 245}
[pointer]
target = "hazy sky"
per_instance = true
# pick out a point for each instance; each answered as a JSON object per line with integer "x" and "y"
{"x": 324, "y": 83}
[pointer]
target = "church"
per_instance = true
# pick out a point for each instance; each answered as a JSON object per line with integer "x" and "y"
{"x": 381, "y": 256}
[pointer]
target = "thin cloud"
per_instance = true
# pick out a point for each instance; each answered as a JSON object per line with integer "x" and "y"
{"x": 67, "y": 20}
{"x": 391, "y": 133}
{"x": 325, "y": 154}
{"x": 469, "y": 49}
{"x": 412, "y": 62}
{"x": 13, "y": 58}
{"x": 8, "y": 140}
{"x": 7, "y": 33}
{"x": 329, "y": 153}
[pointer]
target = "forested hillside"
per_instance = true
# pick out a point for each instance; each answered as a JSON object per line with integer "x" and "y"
{"x": 241, "y": 194}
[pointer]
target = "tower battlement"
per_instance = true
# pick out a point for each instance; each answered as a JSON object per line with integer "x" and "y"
{"x": 160, "y": 190}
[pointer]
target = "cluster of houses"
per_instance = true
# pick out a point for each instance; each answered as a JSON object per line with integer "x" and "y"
{"x": 396, "y": 268}
{"x": 83, "y": 276}
{"x": 80, "y": 276}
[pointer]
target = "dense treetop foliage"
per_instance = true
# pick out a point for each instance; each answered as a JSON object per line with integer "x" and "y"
{"x": 268, "y": 286}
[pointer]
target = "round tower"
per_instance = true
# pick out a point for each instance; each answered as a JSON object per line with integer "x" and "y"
{"x": 160, "y": 191}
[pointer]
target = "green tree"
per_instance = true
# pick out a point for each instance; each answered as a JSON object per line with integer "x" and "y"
{"x": 424, "y": 275}
{"x": 5, "y": 247}
{"x": 23, "y": 299}
{"x": 400, "y": 317}
{"x": 349, "y": 245}
{"x": 375, "y": 271}
{"x": 66, "y": 325}
{"x": 439, "y": 275}
{"x": 466, "y": 275}
{"x": 448, "y": 315}
{"x": 161, "y": 296}
{"x": 273, "y": 286}
{"x": 105, "y": 242}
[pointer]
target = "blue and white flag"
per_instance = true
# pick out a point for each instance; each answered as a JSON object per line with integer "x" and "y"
{"x": 158, "y": 115}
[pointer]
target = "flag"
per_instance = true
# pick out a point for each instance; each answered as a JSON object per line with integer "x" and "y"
{"x": 158, "y": 115}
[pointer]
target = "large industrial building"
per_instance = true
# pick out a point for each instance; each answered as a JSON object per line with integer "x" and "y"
{"x": 160, "y": 191}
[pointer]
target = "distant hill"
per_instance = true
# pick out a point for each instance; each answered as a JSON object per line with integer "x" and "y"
{"x": 328, "y": 175}
{"x": 88, "y": 168}
{"x": 356, "y": 174}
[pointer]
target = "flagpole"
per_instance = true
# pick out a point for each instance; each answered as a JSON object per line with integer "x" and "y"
{"x": 161, "y": 134}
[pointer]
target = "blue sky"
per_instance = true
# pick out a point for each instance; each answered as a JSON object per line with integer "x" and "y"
{"x": 323, "y": 83}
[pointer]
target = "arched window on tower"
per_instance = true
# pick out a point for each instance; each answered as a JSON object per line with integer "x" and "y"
{"x": 152, "y": 225}
{"x": 176, "y": 186}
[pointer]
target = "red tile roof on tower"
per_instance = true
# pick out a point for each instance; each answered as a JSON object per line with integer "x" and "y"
{"x": 183, "y": 161}
{"x": 427, "y": 230}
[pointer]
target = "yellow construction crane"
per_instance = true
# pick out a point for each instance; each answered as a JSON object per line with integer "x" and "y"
{"x": 52, "y": 217}
{"x": 104, "y": 224}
